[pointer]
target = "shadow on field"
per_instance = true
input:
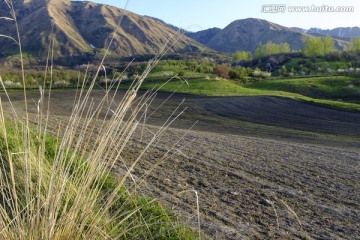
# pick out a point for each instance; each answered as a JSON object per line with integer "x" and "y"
{"x": 260, "y": 116}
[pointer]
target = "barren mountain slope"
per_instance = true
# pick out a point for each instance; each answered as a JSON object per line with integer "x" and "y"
{"x": 84, "y": 27}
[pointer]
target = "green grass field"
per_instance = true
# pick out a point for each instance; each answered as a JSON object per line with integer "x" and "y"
{"x": 333, "y": 88}
{"x": 335, "y": 92}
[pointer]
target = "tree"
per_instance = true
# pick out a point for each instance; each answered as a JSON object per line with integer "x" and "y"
{"x": 328, "y": 45}
{"x": 242, "y": 56}
{"x": 284, "y": 48}
{"x": 283, "y": 71}
{"x": 354, "y": 45}
{"x": 237, "y": 73}
{"x": 271, "y": 49}
{"x": 313, "y": 46}
{"x": 259, "y": 51}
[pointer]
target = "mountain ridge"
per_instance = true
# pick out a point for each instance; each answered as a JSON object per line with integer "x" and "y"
{"x": 81, "y": 27}
{"x": 84, "y": 27}
{"x": 247, "y": 34}
{"x": 342, "y": 32}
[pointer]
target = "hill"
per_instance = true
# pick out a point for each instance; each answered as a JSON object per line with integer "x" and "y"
{"x": 204, "y": 36}
{"x": 85, "y": 27}
{"x": 247, "y": 34}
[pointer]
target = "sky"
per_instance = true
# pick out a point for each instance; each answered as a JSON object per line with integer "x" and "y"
{"x": 196, "y": 15}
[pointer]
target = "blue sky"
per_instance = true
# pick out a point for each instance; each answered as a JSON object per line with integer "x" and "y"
{"x": 197, "y": 15}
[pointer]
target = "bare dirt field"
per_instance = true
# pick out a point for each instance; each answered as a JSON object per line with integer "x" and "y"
{"x": 264, "y": 167}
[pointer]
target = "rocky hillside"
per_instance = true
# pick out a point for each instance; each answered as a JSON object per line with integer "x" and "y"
{"x": 84, "y": 27}
{"x": 247, "y": 34}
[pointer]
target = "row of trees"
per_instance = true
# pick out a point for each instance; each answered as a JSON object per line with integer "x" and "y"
{"x": 242, "y": 56}
{"x": 318, "y": 46}
{"x": 312, "y": 46}
{"x": 262, "y": 51}
{"x": 271, "y": 49}
{"x": 326, "y": 45}
{"x": 34, "y": 78}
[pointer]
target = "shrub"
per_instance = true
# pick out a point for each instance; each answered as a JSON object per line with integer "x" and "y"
{"x": 221, "y": 71}
{"x": 181, "y": 73}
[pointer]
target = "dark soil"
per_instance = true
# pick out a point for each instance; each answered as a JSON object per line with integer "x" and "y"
{"x": 264, "y": 167}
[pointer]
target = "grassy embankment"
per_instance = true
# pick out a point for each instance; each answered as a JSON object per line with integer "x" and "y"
{"x": 29, "y": 181}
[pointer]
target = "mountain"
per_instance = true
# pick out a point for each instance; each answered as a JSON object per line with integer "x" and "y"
{"x": 165, "y": 23}
{"x": 342, "y": 32}
{"x": 247, "y": 34}
{"x": 79, "y": 27}
{"x": 204, "y": 36}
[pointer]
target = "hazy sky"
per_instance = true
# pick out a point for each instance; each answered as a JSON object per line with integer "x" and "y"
{"x": 196, "y": 15}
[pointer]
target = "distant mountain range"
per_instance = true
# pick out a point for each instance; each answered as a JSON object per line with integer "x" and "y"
{"x": 80, "y": 27}
{"x": 342, "y": 32}
{"x": 247, "y": 34}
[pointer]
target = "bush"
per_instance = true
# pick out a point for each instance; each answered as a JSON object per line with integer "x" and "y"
{"x": 221, "y": 71}
{"x": 237, "y": 73}
{"x": 181, "y": 73}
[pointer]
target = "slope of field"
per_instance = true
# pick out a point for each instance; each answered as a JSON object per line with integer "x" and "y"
{"x": 264, "y": 167}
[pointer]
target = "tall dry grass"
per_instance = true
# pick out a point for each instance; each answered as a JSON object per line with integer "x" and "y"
{"x": 60, "y": 186}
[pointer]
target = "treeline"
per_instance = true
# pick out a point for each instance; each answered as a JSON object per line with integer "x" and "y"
{"x": 261, "y": 51}
{"x": 318, "y": 46}
{"x": 296, "y": 64}
{"x": 312, "y": 46}
{"x": 323, "y": 46}
{"x": 203, "y": 67}
{"x": 271, "y": 49}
